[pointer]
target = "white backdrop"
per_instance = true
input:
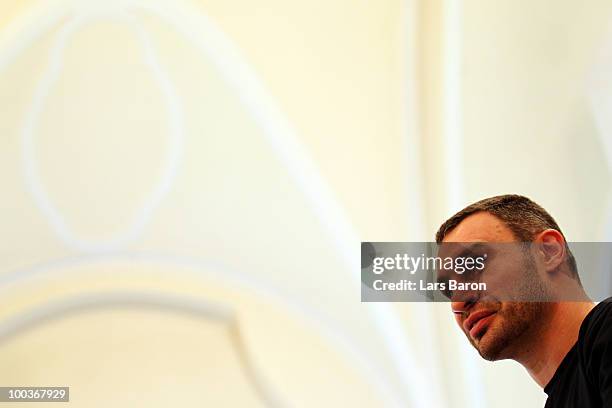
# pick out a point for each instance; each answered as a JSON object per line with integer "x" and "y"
{"x": 186, "y": 184}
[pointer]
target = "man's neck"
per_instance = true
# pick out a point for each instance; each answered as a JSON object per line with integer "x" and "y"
{"x": 555, "y": 339}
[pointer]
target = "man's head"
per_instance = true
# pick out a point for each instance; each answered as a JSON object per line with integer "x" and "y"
{"x": 496, "y": 326}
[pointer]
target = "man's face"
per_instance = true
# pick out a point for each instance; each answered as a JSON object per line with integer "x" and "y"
{"x": 496, "y": 327}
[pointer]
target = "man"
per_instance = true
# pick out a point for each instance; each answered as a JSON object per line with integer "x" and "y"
{"x": 566, "y": 346}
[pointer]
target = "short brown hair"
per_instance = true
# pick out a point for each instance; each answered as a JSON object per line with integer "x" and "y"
{"x": 521, "y": 215}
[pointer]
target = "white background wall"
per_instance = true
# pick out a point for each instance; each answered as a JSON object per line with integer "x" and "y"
{"x": 237, "y": 168}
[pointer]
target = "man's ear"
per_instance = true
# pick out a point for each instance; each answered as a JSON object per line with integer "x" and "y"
{"x": 550, "y": 246}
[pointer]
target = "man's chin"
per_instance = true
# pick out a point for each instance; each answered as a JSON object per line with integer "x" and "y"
{"x": 491, "y": 346}
{"x": 490, "y": 354}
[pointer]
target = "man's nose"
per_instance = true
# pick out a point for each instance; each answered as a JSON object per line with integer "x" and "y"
{"x": 460, "y": 311}
{"x": 462, "y": 303}
{"x": 459, "y": 307}
{"x": 463, "y": 300}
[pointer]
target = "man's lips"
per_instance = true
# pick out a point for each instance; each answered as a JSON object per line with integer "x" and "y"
{"x": 477, "y": 321}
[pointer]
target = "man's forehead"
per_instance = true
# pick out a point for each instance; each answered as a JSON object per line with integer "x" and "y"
{"x": 480, "y": 227}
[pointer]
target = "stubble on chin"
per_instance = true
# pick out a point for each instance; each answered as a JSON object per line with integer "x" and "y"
{"x": 516, "y": 324}
{"x": 512, "y": 328}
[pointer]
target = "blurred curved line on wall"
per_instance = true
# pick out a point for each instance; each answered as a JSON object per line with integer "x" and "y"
{"x": 197, "y": 269}
{"x": 454, "y": 160}
{"x": 174, "y": 152}
{"x": 147, "y": 301}
{"x": 284, "y": 140}
{"x": 599, "y": 86}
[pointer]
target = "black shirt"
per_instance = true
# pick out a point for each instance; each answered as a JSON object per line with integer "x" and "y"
{"x": 584, "y": 377}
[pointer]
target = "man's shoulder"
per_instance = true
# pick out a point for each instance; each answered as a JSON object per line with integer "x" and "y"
{"x": 596, "y": 335}
{"x": 598, "y": 319}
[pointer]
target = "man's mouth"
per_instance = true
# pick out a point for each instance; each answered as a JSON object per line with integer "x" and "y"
{"x": 477, "y": 323}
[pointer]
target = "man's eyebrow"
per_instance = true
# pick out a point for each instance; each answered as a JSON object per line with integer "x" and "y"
{"x": 467, "y": 247}
{"x": 473, "y": 247}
